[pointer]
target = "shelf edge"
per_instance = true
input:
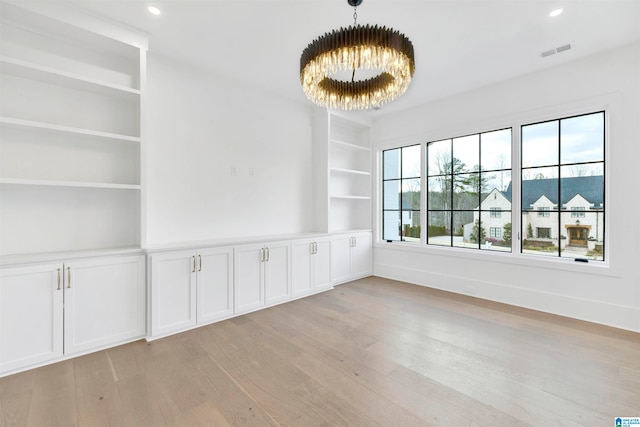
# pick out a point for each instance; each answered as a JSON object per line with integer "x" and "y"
{"x": 351, "y": 171}
{"x": 349, "y": 145}
{"x": 73, "y": 184}
{"x": 66, "y": 129}
{"x": 61, "y": 73}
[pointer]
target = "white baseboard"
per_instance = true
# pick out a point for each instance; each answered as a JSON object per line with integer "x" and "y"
{"x": 618, "y": 316}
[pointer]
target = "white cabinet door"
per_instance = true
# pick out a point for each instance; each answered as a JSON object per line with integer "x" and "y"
{"x": 301, "y": 267}
{"x": 248, "y": 272}
{"x": 277, "y": 272}
{"x": 321, "y": 265}
{"x": 351, "y": 257}
{"x": 104, "y": 302}
{"x": 311, "y": 266}
{"x": 361, "y": 256}
{"x": 262, "y": 275}
{"x": 214, "y": 284}
{"x": 341, "y": 259}
{"x": 173, "y": 292}
{"x": 31, "y": 315}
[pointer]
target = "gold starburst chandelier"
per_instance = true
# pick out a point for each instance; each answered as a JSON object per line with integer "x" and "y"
{"x": 375, "y": 49}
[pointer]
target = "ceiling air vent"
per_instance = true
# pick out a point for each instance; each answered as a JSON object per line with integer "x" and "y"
{"x": 548, "y": 53}
{"x": 558, "y": 49}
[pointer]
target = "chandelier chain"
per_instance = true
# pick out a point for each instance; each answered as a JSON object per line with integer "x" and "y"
{"x": 355, "y": 24}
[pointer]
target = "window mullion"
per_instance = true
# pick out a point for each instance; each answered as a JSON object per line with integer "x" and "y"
{"x": 560, "y": 188}
{"x": 516, "y": 190}
{"x": 424, "y": 193}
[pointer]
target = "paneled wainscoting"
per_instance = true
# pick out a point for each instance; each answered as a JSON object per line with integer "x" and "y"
{"x": 370, "y": 352}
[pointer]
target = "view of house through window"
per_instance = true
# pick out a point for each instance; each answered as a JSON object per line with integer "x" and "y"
{"x": 467, "y": 203}
{"x": 563, "y": 187}
{"x": 469, "y": 190}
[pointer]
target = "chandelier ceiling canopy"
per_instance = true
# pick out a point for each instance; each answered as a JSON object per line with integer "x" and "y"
{"x": 380, "y": 52}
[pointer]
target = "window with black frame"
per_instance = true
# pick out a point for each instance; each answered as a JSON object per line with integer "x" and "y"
{"x": 563, "y": 209}
{"x": 469, "y": 191}
{"x": 401, "y": 194}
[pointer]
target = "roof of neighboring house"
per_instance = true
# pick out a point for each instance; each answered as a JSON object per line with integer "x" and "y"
{"x": 591, "y": 188}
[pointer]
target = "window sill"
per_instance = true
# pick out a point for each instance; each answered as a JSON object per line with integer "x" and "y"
{"x": 533, "y": 261}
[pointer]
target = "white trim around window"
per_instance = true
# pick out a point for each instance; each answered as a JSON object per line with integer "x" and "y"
{"x": 610, "y": 104}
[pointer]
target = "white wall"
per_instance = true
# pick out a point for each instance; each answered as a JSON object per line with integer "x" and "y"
{"x": 608, "y": 295}
{"x": 200, "y": 130}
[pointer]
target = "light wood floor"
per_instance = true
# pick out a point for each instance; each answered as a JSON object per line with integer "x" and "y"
{"x": 371, "y": 352}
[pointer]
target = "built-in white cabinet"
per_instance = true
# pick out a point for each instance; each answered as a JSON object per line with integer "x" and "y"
{"x": 31, "y": 315}
{"x": 172, "y": 292}
{"x": 70, "y": 131}
{"x": 351, "y": 257}
{"x": 343, "y": 189}
{"x": 311, "y": 266}
{"x": 52, "y": 310}
{"x": 262, "y": 275}
{"x": 104, "y": 302}
{"x": 342, "y": 152}
{"x": 214, "y": 288}
{"x": 189, "y": 288}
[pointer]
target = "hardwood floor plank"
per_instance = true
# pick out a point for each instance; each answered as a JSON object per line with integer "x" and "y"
{"x": 271, "y": 381}
{"x": 479, "y": 412}
{"x": 203, "y": 415}
{"x": 382, "y": 409}
{"x": 313, "y": 350}
{"x": 600, "y": 396}
{"x": 170, "y": 374}
{"x": 304, "y": 344}
{"x": 97, "y": 399}
{"x": 429, "y": 407}
{"x": 16, "y": 384}
{"x": 333, "y": 409}
{"x": 233, "y": 402}
{"x": 144, "y": 402}
{"x": 308, "y": 336}
{"x": 14, "y": 409}
{"x": 53, "y": 401}
{"x": 630, "y": 375}
{"x": 130, "y": 359}
{"x": 437, "y": 322}
{"x": 506, "y": 396}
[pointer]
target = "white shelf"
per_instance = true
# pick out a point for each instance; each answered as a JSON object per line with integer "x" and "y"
{"x": 20, "y": 68}
{"x": 72, "y": 90}
{"x": 343, "y": 176}
{"x": 66, "y": 129}
{"x": 351, "y": 171}
{"x": 75, "y": 184}
{"x": 69, "y": 39}
{"x": 349, "y": 197}
{"x": 349, "y": 145}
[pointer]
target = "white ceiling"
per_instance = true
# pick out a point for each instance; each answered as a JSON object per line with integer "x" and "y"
{"x": 459, "y": 45}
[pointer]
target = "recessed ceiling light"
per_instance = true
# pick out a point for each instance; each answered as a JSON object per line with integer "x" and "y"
{"x": 153, "y": 10}
{"x": 555, "y": 12}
